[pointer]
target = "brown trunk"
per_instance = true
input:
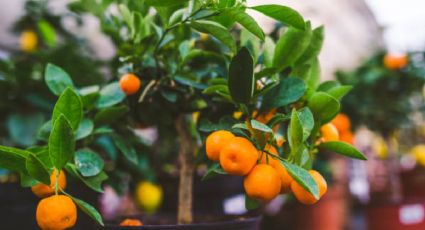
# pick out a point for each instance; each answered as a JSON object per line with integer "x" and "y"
{"x": 187, "y": 167}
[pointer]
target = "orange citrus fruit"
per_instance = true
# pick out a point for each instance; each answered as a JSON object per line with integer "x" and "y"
{"x": 329, "y": 133}
{"x": 395, "y": 61}
{"x": 215, "y": 142}
{"x": 130, "y": 84}
{"x": 263, "y": 183}
{"x": 56, "y": 213}
{"x": 42, "y": 190}
{"x": 303, "y": 195}
{"x": 341, "y": 122}
{"x": 28, "y": 41}
{"x": 347, "y": 137}
{"x": 131, "y": 222}
{"x": 238, "y": 156}
{"x": 284, "y": 176}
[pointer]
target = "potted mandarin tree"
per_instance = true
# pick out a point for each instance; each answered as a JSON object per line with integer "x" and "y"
{"x": 387, "y": 92}
{"x": 185, "y": 59}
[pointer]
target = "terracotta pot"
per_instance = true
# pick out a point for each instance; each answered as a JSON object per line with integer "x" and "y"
{"x": 403, "y": 216}
{"x": 413, "y": 182}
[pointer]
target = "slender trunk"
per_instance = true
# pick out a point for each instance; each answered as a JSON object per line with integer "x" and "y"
{"x": 394, "y": 171}
{"x": 187, "y": 167}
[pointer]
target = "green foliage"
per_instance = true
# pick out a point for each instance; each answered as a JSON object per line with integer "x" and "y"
{"x": 383, "y": 99}
{"x": 241, "y": 77}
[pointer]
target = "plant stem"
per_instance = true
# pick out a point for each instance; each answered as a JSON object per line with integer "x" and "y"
{"x": 187, "y": 168}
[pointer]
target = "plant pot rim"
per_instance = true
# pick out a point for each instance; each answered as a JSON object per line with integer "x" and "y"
{"x": 237, "y": 220}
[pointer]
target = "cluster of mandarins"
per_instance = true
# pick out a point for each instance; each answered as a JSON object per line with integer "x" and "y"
{"x": 265, "y": 176}
{"x": 339, "y": 129}
{"x": 54, "y": 211}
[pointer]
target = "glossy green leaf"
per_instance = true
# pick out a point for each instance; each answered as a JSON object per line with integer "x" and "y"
{"x": 216, "y": 88}
{"x": 291, "y": 46}
{"x": 89, "y": 210}
{"x": 37, "y": 170}
{"x": 343, "y": 148}
{"x": 213, "y": 171}
{"x": 110, "y": 95}
{"x": 241, "y": 77}
{"x": 217, "y": 30}
{"x": 47, "y": 32}
{"x": 88, "y": 162}
{"x": 57, "y": 79}
{"x": 268, "y": 53}
{"x": 247, "y": 22}
{"x": 260, "y": 126}
{"x": 340, "y": 91}
{"x": 85, "y": 129}
{"x": 323, "y": 106}
{"x": 93, "y": 182}
{"x": 126, "y": 149}
{"x": 307, "y": 121}
{"x": 315, "y": 46}
{"x": 70, "y": 106}
{"x": 110, "y": 114}
{"x": 289, "y": 90}
{"x": 283, "y": 14}
{"x": 61, "y": 143}
{"x": 13, "y": 159}
{"x": 165, "y": 3}
{"x": 295, "y": 132}
{"x": 303, "y": 178}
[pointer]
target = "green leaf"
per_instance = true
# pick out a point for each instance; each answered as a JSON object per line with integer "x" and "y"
{"x": 177, "y": 16}
{"x": 241, "y": 77}
{"x": 57, "y": 79}
{"x": 216, "y": 88}
{"x": 22, "y": 128}
{"x": 126, "y": 149}
{"x": 44, "y": 132}
{"x": 247, "y": 22}
{"x": 315, "y": 46}
{"x": 251, "y": 204}
{"x": 283, "y": 14}
{"x": 307, "y": 121}
{"x": 303, "y": 178}
{"x": 213, "y": 171}
{"x": 47, "y": 32}
{"x": 110, "y": 95}
{"x": 289, "y": 90}
{"x": 268, "y": 53}
{"x": 110, "y": 114}
{"x": 61, "y": 143}
{"x": 89, "y": 210}
{"x": 295, "y": 132}
{"x": 88, "y": 162}
{"x": 42, "y": 153}
{"x": 260, "y": 126}
{"x": 340, "y": 91}
{"x": 278, "y": 118}
{"x": 218, "y": 31}
{"x": 93, "y": 182}
{"x": 165, "y": 3}
{"x": 343, "y": 149}
{"x": 70, "y": 106}
{"x": 323, "y": 106}
{"x": 27, "y": 181}
{"x": 291, "y": 46}
{"x": 37, "y": 170}
{"x": 85, "y": 129}
{"x": 13, "y": 159}
{"x": 328, "y": 85}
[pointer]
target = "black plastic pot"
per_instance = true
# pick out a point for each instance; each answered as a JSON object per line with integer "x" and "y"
{"x": 240, "y": 223}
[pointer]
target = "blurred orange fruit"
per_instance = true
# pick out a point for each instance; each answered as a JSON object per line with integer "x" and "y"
{"x": 130, "y": 84}
{"x": 395, "y": 61}
{"x": 329, "y": 133}
{"x": 341, "y": 122}
{"x": 42, "y": 190}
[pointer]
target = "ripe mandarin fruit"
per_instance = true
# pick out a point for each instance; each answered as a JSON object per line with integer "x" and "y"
{"x": 42, "y": 190}
{"x": 263, "y": 183}
{"x": 419, "y": 153}
{"x": 130, "y": 84}
{"x": 347, "y": 137}
{"x": 215, "y": 142}
{"x": 341, "y": 122}
{"x": 303, "y": 195}
{"x": 131, "y": 222}
{"x": 148, "y": 196}
{"x": 395, "y": 61}
{"x": 28, "y": 41}
{"x": 284, "y": 176}
{"x": 56, "y": 213}
{"x": 329, "y": 133}
{"x": 238, "y": 156}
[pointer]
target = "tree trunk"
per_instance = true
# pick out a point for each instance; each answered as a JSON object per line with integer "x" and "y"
{"x": 187, "y": 167}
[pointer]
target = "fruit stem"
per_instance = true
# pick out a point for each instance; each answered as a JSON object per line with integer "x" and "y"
{"x": 187, "y": 167}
